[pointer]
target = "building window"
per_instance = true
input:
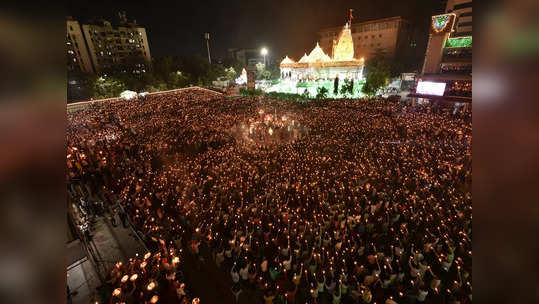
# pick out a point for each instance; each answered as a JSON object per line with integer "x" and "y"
{"x": 380, "y": 35}
{"x": 372, "y": 36}
{"x": 379, "y": 43}
{"x": 366, "y": 37}
{"x": 70, "y": 28}
{"x": 463, "y": 5}
{"x": 465, "y": 24}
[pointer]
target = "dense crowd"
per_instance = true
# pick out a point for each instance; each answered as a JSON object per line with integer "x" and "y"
{"x": 154, "y": 278}
{"x": 371, "y": 204}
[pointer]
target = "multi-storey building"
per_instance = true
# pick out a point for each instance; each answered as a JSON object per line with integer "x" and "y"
{"x": 123, "y": 48}
{"x": 77, "y": 53}
{"x": 463, "y": 11}
{"x": 448, "y": 60}
{"x": 389, "y": 34}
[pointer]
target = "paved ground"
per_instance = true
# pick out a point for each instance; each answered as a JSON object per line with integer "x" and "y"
{"x": 109, "y": 245}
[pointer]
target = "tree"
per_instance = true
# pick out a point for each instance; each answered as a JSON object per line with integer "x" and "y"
{"x": 376, "y": 79}
{"x": 106, "y": 87}
{"x": 347, "y": 88}
{"x": 321, "y": 93}
{"x": 377, "y": 73}
{"x": 230, "y": 73}
{"x": 177, "y": 80}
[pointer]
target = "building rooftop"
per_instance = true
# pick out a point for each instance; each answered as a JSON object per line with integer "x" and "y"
{"x": 363, "y": 23}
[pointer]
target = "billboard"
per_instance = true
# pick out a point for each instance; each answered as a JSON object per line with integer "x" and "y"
{"x": 430, "y": 88}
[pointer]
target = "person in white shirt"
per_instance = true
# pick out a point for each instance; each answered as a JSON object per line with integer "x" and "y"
{"x": 244, "y": 272}
{"x": 234, "y": 274}
{"x": 422, "y": 294}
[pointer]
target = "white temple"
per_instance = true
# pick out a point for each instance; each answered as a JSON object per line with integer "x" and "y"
{"x": 317, "y": 65}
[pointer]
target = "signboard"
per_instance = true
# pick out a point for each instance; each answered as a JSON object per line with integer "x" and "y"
{"x": 251, "y": 80}
{"x": 441, "y": 24}
{"x": 431, "y": 88}
{"x": 408, "y": 76}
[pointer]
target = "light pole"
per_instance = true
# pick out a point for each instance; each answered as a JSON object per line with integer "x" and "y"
{"x": 207, "y": 36}
{"x": 264, "y": 52}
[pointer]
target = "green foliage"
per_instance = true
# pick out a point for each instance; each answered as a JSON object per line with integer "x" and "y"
{"x": 230, "y": 73}
{"x": 108, "y": 87}
{"x": 377, "y": 73}
{"x": 275, "y": 72}
{"x": 347, "y": 88}
{"x": 321, "y": 93}
{"x": 306, "y": 94}
{"x": 250, "y": 93}
{"x": 284, "y": 96}
{"x": 166, "y": 73}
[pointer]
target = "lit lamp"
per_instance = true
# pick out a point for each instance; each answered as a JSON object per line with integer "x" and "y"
{"x": 264, "y": 52}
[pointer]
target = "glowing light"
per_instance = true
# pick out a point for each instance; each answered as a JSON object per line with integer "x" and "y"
{"x": 458, "y": 42}
{"x": 147, "y": 256}
{"x": 150, "y": 286}
{"x": 175, "y": 260}
{"x": 154, "y": 299}
{"x": 287, "y": 60}
{"x": 343, "y": 50}
{"x": 196, "y": 301}
{"x": 431, "y": 88}
{"x": 318, "y": 55}
{"x": 116, "y": 292}
{"x": 133, "y": 277}
{"x": 304, "y": 59}
{"x": 264, "y": 51}
{"x": 125, "y": 278}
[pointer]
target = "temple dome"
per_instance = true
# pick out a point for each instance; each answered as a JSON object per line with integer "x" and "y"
{"x": 318, "y": 55}
{"x": 343, "y": 50}
{"x": 287, "y": 60}
{"x": 304, "y": 59}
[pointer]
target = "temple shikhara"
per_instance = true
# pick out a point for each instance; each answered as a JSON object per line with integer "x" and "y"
{"x": 319, "y": 66}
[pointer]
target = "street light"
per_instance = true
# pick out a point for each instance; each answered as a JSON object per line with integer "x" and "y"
{"x": 264, "y": 52}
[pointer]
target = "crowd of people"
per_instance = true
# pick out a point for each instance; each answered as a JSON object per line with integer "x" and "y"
{"x": 371, "y": 205}
{"x": 154, "y": 278}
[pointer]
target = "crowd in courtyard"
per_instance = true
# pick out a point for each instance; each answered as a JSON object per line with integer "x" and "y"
{"x": 371, "y": 204}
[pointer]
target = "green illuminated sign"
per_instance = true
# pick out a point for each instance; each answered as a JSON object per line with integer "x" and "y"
{"x": 458, "y": 42}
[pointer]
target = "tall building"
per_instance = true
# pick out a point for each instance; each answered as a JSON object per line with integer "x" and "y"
{"x": 77, "y": 53}
{"x": 123, "y": 48}
{"x": 448, "y": 59}
{"x": 463, "y": 12}
{"x": 390, "y": 34}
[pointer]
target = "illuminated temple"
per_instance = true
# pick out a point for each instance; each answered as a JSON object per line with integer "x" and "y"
{"x": 319, "y": 66}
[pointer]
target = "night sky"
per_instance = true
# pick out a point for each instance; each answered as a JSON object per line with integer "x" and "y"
{"x": 284, "y": 27}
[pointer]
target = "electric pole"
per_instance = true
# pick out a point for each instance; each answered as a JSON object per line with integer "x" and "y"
{"x": 207, "y": 36}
